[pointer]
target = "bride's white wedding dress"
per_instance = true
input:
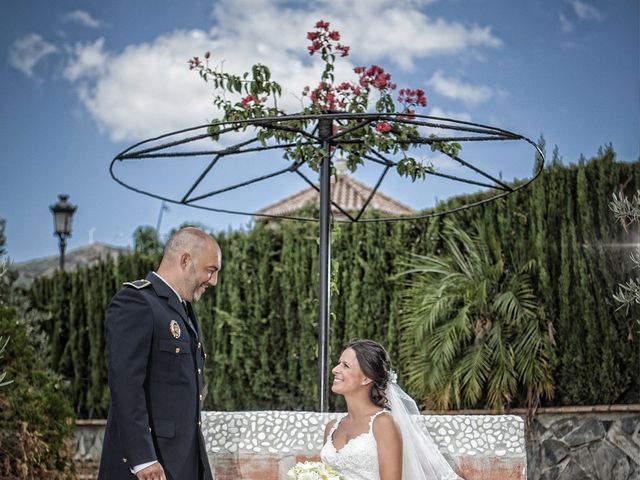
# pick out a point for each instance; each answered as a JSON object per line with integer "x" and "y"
{"x": 421, "y": 459}
{"x": 358, "y": 459}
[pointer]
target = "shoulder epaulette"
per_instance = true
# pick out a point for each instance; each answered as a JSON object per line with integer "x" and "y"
{"x": 137, "y": 284}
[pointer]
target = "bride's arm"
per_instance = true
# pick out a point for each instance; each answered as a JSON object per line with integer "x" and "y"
{"x": 389, "y": 442}
{"x": 327, "y": 429}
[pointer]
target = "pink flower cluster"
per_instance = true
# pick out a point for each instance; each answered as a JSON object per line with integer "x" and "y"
{"x": 348, "y": 86}
{"x": 328, "y": 97}
{"x": 383, "y": 127}
{"x": 246, "y": 101}
{"x": 194, "y": 62}
{"x": 323, "y": 40}
{"x": 375, "y": 76}
{"x": 409, "y": 97}
{"x": 324, "y": 96}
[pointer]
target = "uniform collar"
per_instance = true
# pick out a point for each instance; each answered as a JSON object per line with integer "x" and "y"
{"x": 169, "y": 285}
{"x": 163, "y": 289}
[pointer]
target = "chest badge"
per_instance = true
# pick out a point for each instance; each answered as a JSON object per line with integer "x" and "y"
{"x": 174, "y": 328}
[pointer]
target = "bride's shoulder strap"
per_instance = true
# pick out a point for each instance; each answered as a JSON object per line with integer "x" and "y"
{"x": 375, "y": 415}
{"x": 333, "y": 424}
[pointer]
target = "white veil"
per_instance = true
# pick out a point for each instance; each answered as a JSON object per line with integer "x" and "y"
{"x": 421, "y": 459}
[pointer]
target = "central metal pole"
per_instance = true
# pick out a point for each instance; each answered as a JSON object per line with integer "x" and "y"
{"x": 325, "y": 130}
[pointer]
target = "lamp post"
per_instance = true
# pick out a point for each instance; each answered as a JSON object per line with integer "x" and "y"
{"x": 62, "y": 214}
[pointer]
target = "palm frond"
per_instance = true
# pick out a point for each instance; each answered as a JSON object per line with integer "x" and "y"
{"x": 472, "y": 326}
{"x": 473, "y": 370}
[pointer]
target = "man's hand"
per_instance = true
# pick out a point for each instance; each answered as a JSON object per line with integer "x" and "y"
{"x": 152, "y": 472}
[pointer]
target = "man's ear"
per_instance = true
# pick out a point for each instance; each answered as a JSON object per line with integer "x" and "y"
{"x": 185, "y": 258}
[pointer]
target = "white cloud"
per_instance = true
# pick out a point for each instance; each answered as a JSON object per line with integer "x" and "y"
{"x": 459, "y": 90}
{"x": 147, "y": 89}
{"x": 565, "y": 24}
{"x": 443, "y": 131}
{"x": 444, "y": 164}
{"x": 576, "y": 12}
{"x": 27, "y": 52}
{"x": 376, "y": 29}
{"x": 585, "y": 11}
{"x": 439, "y": 112}
{"x": 88, "y": 60}
{"x": 81, "y": 18}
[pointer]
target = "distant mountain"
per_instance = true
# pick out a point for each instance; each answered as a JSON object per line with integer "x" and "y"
{"x": 76, "y": 258}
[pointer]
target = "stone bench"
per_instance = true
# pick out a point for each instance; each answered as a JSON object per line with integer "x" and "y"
{"x": 264, "y": 445}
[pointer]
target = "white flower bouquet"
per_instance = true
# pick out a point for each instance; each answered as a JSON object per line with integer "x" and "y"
{"x": 312, "y": 471}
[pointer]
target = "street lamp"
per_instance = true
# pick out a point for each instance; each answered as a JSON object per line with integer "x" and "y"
{"x": 62, "y": 214}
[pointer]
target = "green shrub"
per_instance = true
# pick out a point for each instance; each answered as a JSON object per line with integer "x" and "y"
{"x": 36, "y": 419}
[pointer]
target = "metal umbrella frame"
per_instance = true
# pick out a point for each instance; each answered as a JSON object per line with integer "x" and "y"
{"x": 317, "y": 130}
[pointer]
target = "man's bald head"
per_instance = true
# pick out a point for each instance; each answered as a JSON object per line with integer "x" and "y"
{"x": 186, "y": 240}
{"x": 190, "y": 262}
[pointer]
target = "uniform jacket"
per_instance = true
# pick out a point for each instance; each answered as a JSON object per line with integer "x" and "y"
{"x": 156, "y": 380}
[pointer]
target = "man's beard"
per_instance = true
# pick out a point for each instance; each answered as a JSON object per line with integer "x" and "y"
{"x": 195, "y": 291}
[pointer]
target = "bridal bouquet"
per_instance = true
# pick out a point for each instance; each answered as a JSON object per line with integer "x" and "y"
{"x": 312, "y": 471}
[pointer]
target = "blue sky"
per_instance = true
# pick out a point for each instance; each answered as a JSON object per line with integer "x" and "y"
{"x": 82, "y": 80}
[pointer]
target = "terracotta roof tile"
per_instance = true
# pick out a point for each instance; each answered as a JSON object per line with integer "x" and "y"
{"x": 347, "y": 192}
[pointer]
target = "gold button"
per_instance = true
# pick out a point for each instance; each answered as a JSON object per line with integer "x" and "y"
{"x": 199, "y": 372}
{"x": 200, "y": 396}
{"x": 205, "y": 355}
{"x": 177, "y": 349}
{"x": 199, "y": 345}
{"x": 124, "y": 460}
{"x": 149, "y": 428}
{"x": 198, "y": 423}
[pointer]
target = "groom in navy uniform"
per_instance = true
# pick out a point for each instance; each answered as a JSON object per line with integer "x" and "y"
{"x": 156, "y": 362}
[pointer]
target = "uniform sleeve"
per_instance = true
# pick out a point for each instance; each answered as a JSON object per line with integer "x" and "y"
{"x": 129, "y": 328}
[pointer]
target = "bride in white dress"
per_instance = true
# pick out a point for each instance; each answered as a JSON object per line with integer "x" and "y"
{"x": 377, "y": 439}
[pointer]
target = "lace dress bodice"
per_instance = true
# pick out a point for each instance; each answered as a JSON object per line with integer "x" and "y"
{"x": 358, "y": 459}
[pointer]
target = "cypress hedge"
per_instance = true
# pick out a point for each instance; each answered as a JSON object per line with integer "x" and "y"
{"x": 260, "y": 323}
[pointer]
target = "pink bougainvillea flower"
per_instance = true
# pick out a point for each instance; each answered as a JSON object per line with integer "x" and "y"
{"x": 383, "y": 127}
{"x": 374, "y": 76}
{"x": 328, "y": 97}
{"x": 314, "y": 47}
{"x": 410, "y": 97}
{"x": 246, "y": 101}
{"x": 382, "y": 81}
{"x": 194, "y": 63}
{"x": 344, "y": 50}
{"x": 408, "y": 114}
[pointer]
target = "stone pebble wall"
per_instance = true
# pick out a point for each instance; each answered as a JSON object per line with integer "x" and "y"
{"x": 264, "y": 445}
{"x": 289, "y": 432}
{"x": 603, "y": 446}
{"x": 240, "y": 443}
